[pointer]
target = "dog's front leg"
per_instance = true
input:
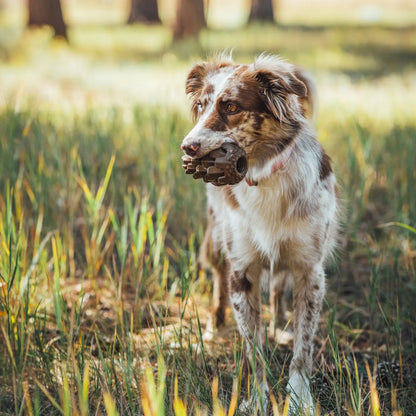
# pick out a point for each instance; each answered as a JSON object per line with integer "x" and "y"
{"x": 309, "y": 290}
{"x": 246, "y": 303}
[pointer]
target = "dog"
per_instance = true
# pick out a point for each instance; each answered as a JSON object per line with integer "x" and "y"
{"x": 283, "y": 217}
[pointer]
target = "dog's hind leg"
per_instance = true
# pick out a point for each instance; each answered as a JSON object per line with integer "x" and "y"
{"x": 277, "y": 300}
{"x": 211, "y": 256}
{"x": 221, "y": 270}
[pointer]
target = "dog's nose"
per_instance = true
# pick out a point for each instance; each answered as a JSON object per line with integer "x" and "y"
{"x": 191, "y": 149}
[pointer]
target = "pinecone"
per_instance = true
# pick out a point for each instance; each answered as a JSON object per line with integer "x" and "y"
{"x": 224, "y": 166}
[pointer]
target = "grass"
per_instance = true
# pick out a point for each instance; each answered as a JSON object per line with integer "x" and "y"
{"x": 102, "y": 304}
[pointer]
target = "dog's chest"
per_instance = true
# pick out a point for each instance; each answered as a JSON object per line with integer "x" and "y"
{"x": 263, "y": 219}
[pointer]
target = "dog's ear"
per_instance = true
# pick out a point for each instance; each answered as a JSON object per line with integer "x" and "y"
{"x": 195, "y": 79}
{"x": 194, "y": 85}
{"x": 277, "y": 87}
{"x": 290, "y": 83}
{"x": 308, "y": 102}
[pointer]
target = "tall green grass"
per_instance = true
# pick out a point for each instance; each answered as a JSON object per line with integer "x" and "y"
{"x": 65, "y": 218}
{"x": 99, "y": 232}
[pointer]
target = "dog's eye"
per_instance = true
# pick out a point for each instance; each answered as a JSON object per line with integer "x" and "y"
{"x": 199, "y": 107}
{"x": 231, "y": 108}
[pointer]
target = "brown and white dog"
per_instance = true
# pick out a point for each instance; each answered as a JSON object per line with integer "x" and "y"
{"x": 282, "y": 217}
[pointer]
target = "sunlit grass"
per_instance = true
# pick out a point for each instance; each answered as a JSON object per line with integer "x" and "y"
{"x": 111, "y": 237}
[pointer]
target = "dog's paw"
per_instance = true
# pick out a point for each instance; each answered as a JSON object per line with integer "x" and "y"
{"x": 210, "y": 330}
{"x": 280, "y": 336}
{"x": 244, "y": 408}
{"x": 252, "y": 408}
{"x": 301, "y": 402}
{"x": 258, "y": 403}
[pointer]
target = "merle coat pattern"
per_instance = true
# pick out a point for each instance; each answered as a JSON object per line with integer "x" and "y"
{"x": 282, "y": 217}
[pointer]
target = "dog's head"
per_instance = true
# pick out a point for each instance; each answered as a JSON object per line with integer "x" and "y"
{"x": 260, "y": 106}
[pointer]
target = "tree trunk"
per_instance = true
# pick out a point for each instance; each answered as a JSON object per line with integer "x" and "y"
{"x": 261, "y": 10}
{"x": 190, "y": 18}
{"x": 144, "y": 11}
{"x": 49, "y": 13}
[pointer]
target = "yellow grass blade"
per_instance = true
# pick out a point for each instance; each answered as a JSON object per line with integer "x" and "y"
{"x": 103, "y": 187}
{"x": 374, "y": 399}
{"x": 109, "y": 404}
{"x": 26, "y": 394}
{"x": 274, "y": 405}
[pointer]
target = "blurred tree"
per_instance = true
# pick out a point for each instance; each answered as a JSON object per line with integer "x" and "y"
{"x": 190, "y": 18}
{"x": 49, "y": 13}
{"x": 261, "y": 10}
{"x": 144, "y": 11}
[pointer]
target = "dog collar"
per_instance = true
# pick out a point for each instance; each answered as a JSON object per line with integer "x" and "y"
{"x": 278, "y": 164}
{"x": 250, "y": 182}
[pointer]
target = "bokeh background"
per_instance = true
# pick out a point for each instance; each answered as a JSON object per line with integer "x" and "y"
{"x": 106, "y": 61}
{"x": 103, "y": 305}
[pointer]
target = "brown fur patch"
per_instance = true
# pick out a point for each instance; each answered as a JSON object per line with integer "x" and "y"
{"x": 240, "y": 283}
{"x": 195, "y": 79}
{"x": 241, "y": 70}
{"x": 250, "y": 96}
{"x": 261, "y": 145}
{"x": 208, "y": 90}
{"x": 236, "y": 306}
{"x": 230, "y": 198}
{"x": 215, "y": 123}
{"x": 276, "y": 83}
{"x": 258, "y": 119}
{"x": 325, "y": 168}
